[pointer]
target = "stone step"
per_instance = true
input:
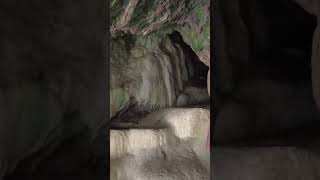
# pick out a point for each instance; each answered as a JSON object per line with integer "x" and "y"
{"x": 175, "y": 151}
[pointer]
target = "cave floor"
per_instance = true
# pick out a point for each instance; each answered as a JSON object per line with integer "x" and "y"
{"x": 73, "y": 160}
{"x": 169, "y": 144}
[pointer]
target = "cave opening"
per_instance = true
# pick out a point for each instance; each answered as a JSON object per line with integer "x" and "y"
{"x": 270, "y": 100}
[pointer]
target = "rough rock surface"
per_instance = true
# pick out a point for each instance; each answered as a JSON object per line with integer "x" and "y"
{"x": 170, "y": 144}
{"x": 278, "y": 111}
{"x": 190, "y": 18}
{"x": 240, "y": 31}
{"x": 256, "y": 76}
{"x": 52, "y": 75}
{"x": 147, "y": 75}
{"x": 158, "y": 17}
{"x": 192, "y": 95}
{"x": 149, "y": 78}
{"x": 266, "y": 163}
{"x": 151, "y": 70}
{"x": 266, "y": 108}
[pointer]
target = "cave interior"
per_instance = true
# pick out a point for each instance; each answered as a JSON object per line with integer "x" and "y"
{"x": 268, "y": 100}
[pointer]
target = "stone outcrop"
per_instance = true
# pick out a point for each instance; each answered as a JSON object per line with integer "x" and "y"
{"x": 167, "y": 144}
{"x": 149, "y": 78}
{"x": 190, "y": 18}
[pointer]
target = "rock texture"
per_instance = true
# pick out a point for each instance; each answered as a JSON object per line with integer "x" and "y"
{"x": 278, "y": 111}
{"x": 154, "y": 45}
{"x": 149, "y": 78}
{"x": 267, "y": 119}
{"x": 256, "y": 82}
{"x": 52, "y": 79}
{"x": 148, "y": 75}
{"x": 241, "y": 31}
{"x": 266, "y": 163}
{"x": 170, "y": 144}
{"x": 191, "y": 18}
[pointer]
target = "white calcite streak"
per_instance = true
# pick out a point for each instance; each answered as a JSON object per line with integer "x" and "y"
{"x": 153, "y": 78}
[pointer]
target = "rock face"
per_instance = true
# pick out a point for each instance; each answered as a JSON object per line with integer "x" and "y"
{"x": 149, "y": 78}
{"x": 52, "y": 76}
{"x": 190, "y": 18}
{"x": 157, "y": 49}
{"x": 267, "y": 163}
{"x": 149, "y": 75}
{"x": 254, "y": 79}
{"x": 275, "y": 112}
{"x": 53, "y": 72}
{"x": 240, "y": 32}
{"x": 170, "y": 144}
{"x": 266, "y": 110}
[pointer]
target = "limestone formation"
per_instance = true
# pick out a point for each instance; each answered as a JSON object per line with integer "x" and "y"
{"x": 151, "y": 78}
{"x": 175, "y": 151}
{"x": 191, "y": 18}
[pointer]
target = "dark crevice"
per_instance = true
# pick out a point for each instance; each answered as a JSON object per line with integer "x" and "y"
{"x": 200, "y": 69}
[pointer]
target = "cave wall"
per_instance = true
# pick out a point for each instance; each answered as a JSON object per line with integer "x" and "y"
{"x": 52, "y": 76}
{"x": 240, "y": 32}
{"x": 263, "y": 88}
{"x": 150, "y": 70}
{"x": 190, "y": 18}
{"x": 159, "y": 96}
{"x": 264, "y": 163}
{"x": 313, "y": 7}
{"x": 53, "y": 67}
{"x": 145, "y": 77}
